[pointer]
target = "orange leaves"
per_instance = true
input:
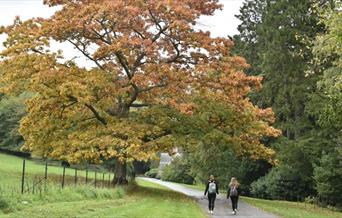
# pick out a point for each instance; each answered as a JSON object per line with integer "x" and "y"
{"x": 185, "y": 108}
{"x": 147, "y": 54}
{"x": 24, "y": 37}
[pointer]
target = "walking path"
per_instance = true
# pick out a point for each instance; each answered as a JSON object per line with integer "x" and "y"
{"x": 222, "y": 205}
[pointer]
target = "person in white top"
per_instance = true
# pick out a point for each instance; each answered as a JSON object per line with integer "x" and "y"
{"x": 212, "y": 190}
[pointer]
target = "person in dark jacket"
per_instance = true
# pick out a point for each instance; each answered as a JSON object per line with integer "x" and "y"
{"x": 233, "y": 193}
{"x": 212, "y": 190}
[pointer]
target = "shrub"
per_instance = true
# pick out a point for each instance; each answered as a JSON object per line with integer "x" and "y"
{"x": 152, "y": 173}
{"x": 3, "y": 203}
{"x": 291, "y": 179}
{"x": 259, "y": 188}
{"x": 282, "y": 182}
{"x": 328, "y": 177}
{"x": 177, "y": 171}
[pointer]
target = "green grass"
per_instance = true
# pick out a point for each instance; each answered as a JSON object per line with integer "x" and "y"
{"x": 143, "y": 199}
{"x": 12, "y": 200}
{"x": 11, "y": 169}
{"x": 286, "y": 209}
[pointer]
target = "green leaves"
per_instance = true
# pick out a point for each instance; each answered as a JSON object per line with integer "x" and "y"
{"x": 12, "y": 109}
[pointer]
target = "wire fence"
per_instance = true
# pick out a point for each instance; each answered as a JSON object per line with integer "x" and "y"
{"x": 37, "y": 182}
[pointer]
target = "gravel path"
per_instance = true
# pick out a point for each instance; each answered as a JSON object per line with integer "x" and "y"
{"x": 222, "y": 205}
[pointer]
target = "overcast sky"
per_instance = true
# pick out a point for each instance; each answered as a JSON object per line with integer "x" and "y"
{"x": 223, "y": 23}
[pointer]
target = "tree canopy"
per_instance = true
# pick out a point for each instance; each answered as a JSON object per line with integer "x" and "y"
{"x": 151, "y": 65}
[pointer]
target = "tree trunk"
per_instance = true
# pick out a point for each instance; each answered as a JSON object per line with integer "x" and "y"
{"x": 120, "y": 173}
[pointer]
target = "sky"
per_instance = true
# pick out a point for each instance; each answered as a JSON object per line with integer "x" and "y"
{"x": 222, "y": 24}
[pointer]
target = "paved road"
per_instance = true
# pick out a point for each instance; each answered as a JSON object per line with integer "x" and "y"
{"x": 222, "y": 205}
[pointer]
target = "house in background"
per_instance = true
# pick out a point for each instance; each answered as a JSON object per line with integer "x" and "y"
{"x": 166, "y": 158}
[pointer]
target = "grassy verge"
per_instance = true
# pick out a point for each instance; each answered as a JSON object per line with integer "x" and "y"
{"x": 287, "y": 209}
{"x": 12, "y": 202}
{"x": 143, "y": 199}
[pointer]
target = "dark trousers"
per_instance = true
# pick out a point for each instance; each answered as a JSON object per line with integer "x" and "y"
{"x": 234, "y": 201}
{"x": 211, "y": 198}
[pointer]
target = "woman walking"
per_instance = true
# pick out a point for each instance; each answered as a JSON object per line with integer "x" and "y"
{"x": 212, "y": 190}
{"x": 233, "y": 193}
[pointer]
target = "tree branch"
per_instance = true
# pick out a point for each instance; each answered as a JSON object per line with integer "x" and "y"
{"x": 141, "y": 105}
{"x": 68, "y": 105}
{"x": 139, "y": 33}
{"x": 96, "y": 114}
{"x": 147, "y": 138}
{"x": 84, "y": 52}
{"x": 124, "y": 64}
{"x": 160, "y": 85}
{"x": 175, "y": 45}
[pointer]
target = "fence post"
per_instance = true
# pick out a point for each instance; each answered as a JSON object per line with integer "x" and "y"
{"x": 113, "y": 185}
{"x": 75, "y": 177}
{"x": 63, "y": 177}
{"x": 23, "y": 178}
{"x": 33, "y": 185}
{"x": 46, "y": 171}
{"x": 86, "y": 176}
{"x": 95, "y": 179}
{"x": 103, "y": 180}
{"x": 109, "y": 180}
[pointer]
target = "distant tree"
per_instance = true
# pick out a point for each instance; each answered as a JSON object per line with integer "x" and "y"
{"x": 327, "y": 101}
{"x": 249, "y": 42}
{"x": 328, "y": 176}
{"x": 12, "y": 109}
{"x": 326, "y": 105}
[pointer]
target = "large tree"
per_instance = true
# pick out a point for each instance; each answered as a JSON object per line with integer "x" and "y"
{"x": 326, "y": 106}
{"x": 150, "y": 64}
{"x": 277, "y": 37}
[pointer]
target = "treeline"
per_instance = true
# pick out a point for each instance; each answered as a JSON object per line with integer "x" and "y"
{"x": 12, "y": 109}
{"x": 296, "y": 46}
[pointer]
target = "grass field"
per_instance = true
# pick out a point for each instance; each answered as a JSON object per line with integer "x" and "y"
{"x": 143, "y": 199}
{"x": 286, "y": 209}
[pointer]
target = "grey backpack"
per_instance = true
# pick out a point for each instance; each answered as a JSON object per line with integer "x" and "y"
{"x": 212, "y": 188}
{"x": 233, "y": 191}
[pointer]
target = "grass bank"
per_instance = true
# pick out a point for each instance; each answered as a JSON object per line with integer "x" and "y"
{"x": 286, "y": 209}
{"x": 142, "y": 199}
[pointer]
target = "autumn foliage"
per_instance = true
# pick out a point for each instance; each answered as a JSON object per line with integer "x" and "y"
{"x": 147, "y": 55}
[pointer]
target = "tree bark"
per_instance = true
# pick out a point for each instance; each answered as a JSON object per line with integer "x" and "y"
{"x": 120, "y": 173}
